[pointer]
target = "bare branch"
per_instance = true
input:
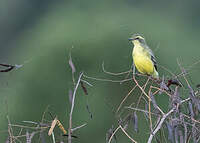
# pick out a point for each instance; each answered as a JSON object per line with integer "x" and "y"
{"x": 125, "y": 98}
{"x": 120, "y": 127}
{"x": 72, "y": 108}
{"x": 127, "y": 134}
{"x": 111, "y": 73}
{"x": 160, "y": 125}
{"x": 79, "y": 127}
{"x": 107, "y": 80}
{"x": 110, "y": 139}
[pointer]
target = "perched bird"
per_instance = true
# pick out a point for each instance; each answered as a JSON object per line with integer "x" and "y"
{"x": 143, "y": 57}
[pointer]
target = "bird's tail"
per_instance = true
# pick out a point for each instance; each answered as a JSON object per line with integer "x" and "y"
{"x": 155, "y": 74}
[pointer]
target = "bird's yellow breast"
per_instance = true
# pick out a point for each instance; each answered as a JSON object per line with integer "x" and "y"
{"x": 142, "y": 60}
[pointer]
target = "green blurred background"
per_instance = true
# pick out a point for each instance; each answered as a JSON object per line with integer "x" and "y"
{"x": 40, "y": 34}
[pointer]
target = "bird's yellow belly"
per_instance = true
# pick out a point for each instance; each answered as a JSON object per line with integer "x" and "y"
{"x": 143, "y": 64}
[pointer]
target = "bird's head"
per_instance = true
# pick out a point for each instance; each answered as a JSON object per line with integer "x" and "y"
{"x": 137, "y": 39}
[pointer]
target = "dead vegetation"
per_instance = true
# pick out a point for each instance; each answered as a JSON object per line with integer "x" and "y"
{"x": 180, "y": 123}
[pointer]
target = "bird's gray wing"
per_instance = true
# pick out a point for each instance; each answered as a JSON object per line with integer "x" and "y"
{"x": 154, "y": 62}
{"x": 152, "y": 57}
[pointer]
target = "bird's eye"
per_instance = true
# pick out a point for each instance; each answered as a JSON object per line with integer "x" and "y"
{"x": 136, "y": 38}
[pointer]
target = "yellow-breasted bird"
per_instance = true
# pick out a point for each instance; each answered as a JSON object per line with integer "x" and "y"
{"x": 143, "y": 57}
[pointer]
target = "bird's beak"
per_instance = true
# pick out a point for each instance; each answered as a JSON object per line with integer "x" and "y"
{"x": 130, "y": 39}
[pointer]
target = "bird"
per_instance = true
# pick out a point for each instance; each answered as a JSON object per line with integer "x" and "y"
{"x": 143, "y": 57}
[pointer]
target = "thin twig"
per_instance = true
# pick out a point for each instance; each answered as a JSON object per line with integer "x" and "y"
{"x": 28, "y": 127}
{"x": 196, "y": 121}
{"x": 127, "y": 134}
{"x": 53, "y": 138}
{"x": 111, "y": 73}
{"x": 127, "y": 75}
{"x": 10, "y": 131}
{"x": 150, "y": 119}
{"x": 141, "y": 88}
{"x": 183, "y": 71}
{"x": 72, "y": 67}
{"x": 72, "y": 108}
{"x": 86, "y": 82}
{"x": 78, "y": 127}
{"x": 125, "y": 98}
{"x": 161, "y": 90}
{"x": 120, "y": 127}
{"x": 110, "y": 80}
{"x": 107, "y": 80}
{"x": 138, "y": 102}
{"x": 42, "y": 120}
{"x": 109, "y": 141}
{"x": 140, "y": 110}
{"x": 161, "y": 111}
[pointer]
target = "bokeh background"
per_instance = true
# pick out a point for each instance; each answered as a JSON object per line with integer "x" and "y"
{"x": 40, "y": 34}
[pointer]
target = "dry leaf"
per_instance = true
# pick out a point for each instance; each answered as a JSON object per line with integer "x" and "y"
{"x": 61, "y": 127}
{"x": 84, "y": 88}
{"x": 53, "y": 124}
